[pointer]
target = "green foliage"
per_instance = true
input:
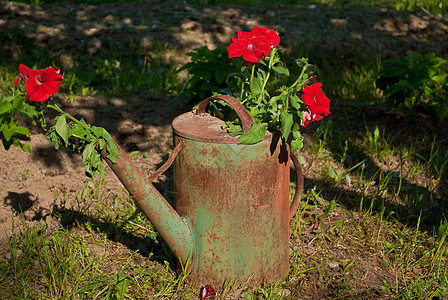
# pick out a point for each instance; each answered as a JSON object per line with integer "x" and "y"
{"x": 209, "y": 70}
{"x": 121, "y": 288}
{"x": 255, "y": 134}
{"x": 280, "y": 112}
{"x": 75, "y": 134}
{"x": 433, "y": 6}
{"x": 415, "y": 83}
{"x": 212, "y": 72}
{"x": 12, "y": 108}
{"x": 84, "y": 137}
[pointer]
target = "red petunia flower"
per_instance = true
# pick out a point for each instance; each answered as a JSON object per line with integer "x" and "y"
{"x": 309, "y": 118}
{"x": 207, "y": 290}
{"x": 316, "y": 100}
{"x": 39, "y": 84}
{"x": 255, "y": 44}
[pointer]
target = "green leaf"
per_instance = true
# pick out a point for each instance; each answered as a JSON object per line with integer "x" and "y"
{"x": 92, "y": 161}
{"x": 287, "y": 121}
{"x": 22, "y": 130}
{"x": 87, "y": 153}
{"x": 296, "y": 144}
{"x": 330, "y": 209}
{"x": 281, "y": 70}
{"x": 25, "y": 147}
{"x": 376, "y": 134}
{"x": 234, "y": 129}
{"x": 443, "y": 232}
{"x": 439, "y": 79}
{"x": 53, "y": 137}
{"x": 220, "y": 76}
{"x": 295, "y": 101}
{"x": 256, "y": 86}
{"x": 255, "y": 134}
{"x": 79, "y": 131}
{"x": 10, "y": 129}
{"x": 112, "y": 150}
{"x": 101, "y": 143}
{"x": 6, "y": 131}
{"x": 274, "y": 99}
{"x": 348, "y": 179}
{"x": 122, "y": 286}
{"x": 5, "y": 107}
{"x": 62, "y": 128}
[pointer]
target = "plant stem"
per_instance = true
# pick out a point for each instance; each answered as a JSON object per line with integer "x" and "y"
{"x": 58, "y": 109}
{"x": 252, "y": 74}
{"x": 300, "y": 76}
{"x": 271, "y": 61}
{"x": 250, "y": 83}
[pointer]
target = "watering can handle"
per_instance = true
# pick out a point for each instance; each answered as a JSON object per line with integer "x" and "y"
{"x": 299, "y": 185}
{"x": 246, "y": 119}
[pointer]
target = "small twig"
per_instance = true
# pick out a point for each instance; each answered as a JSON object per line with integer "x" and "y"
{"x": 424, "y": 10}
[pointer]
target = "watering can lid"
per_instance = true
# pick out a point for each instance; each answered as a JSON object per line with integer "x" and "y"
{"x": 201, "y": 126}
{"x": 205, "y": 128}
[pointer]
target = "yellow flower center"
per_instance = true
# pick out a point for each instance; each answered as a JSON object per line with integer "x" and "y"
{"x": 39, "y": 80}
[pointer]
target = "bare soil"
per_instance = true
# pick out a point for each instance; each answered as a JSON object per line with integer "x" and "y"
{"x": 30, "y": 183}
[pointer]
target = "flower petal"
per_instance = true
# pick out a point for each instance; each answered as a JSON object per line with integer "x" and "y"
{"x": 254, "y": 44}
{"x": 43, "y": 83}
{"x": 251, "y": 57}
{"x": 235, "y": 50}
{"x": 316, "y": 100}
{"x": 25, "y": 69}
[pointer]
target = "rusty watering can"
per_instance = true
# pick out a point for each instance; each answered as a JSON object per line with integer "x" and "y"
{"x": 232, "y": 201}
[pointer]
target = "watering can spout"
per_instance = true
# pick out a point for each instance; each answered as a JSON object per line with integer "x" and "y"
{"x": 173, "y": 229}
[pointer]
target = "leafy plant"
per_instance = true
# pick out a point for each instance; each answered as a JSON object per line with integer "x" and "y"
{"x": 12, "y": 107}
{"x": 84, "y": 137}
{"x": 415, "y": 83}
{"x": 210, "y": 71}
{"x": 283, "y": 110}
{"x": 30, "y": 104}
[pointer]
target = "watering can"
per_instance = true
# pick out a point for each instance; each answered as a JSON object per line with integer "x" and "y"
{"x": 230, "y": 220}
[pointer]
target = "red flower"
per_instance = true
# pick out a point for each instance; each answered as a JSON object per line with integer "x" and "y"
{"x": 39, "y": 84}
{"x": 309, "y": 118}
{"x": 316, "y": 100}
{"x": 208, "y": 290}
{"x": 253, "y": 45}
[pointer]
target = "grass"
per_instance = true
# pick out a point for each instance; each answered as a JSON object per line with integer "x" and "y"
{"x": 372, "y": 223}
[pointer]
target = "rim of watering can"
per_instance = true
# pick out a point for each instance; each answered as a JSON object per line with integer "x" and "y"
{"x": 201, "y": 126}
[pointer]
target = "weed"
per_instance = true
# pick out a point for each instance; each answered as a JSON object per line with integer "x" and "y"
{"x": 414, "y": 84}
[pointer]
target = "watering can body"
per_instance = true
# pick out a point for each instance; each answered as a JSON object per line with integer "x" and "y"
{"x": 232, "y": 202}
